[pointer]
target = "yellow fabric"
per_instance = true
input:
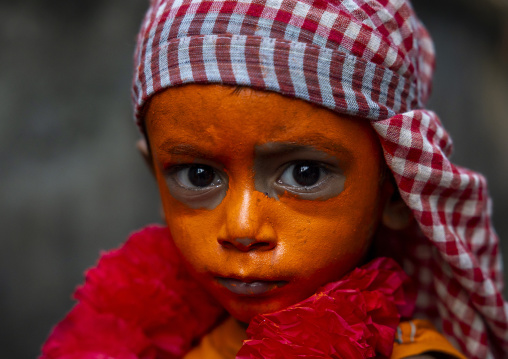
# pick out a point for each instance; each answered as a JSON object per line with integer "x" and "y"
{"x": 221, "y": 343}
{"x": 413, "y": 338}
{"x": 419, "y": 336}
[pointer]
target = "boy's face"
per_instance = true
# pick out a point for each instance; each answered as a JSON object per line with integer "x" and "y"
{"x": 267, "y": 197}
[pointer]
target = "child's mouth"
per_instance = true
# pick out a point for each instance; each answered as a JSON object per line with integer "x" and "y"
{"x": 249, "y": 288}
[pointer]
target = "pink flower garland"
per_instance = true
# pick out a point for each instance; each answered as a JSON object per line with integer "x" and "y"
{"x": 140, "y": 303}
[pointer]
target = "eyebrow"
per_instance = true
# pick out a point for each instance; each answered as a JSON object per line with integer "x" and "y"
{"x": 170, "y": 147}
{"x": 314, "y": 142}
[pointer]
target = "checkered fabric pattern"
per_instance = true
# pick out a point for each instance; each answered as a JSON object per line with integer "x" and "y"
{"x": 460, "y": 265}
{"x": 367, "y": 58}
{"x": 319, "y": 51}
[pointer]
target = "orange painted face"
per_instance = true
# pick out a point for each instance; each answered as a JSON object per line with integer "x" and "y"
{"x": 267, "y": 197}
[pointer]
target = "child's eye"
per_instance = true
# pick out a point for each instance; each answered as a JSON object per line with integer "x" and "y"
{"x": 197, "y": 177}
{"x": 308, "y": 180}
{"x": 196, "y": 185}
{"x": 303, "y": 174}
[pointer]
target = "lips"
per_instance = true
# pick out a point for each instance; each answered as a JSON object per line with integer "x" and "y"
{"x": 249, "y": 288}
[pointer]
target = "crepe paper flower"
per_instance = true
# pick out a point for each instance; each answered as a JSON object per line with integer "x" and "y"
{"x": 144, "y": 289}
{"x": 355, "y": 317}
{"x": 140, "y": 302}
{"x": 87, "y": 334}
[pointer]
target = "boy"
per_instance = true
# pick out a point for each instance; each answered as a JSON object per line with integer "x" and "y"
{"x": 271, "y": 126}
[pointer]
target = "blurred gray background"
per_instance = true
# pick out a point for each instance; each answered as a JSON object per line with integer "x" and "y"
{"x": 72, "y": 183}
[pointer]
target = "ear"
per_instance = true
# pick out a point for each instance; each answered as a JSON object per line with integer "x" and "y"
{"x": 142, "y": 147}
{"x": 396, "y": 214}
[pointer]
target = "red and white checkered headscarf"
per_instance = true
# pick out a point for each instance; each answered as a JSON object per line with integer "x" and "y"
{"x": 367, "y": 58}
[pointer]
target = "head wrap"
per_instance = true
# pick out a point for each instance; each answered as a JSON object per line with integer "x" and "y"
{"x": 367, "y": 58}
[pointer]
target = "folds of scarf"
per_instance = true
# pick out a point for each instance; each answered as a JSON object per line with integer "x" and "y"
{"x": 457, "y": 259}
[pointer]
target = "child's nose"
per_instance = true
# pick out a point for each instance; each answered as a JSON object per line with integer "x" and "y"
{"x": 246, "y": 227}
{"x": 247, "y": 244}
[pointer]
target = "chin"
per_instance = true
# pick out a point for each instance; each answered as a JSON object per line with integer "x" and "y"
{"x": 244, "y": 309}
{"x": 244, "y": 312}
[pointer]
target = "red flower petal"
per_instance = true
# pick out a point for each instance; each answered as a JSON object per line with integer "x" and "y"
{"x": 144, "y": 286}
{"x": 140, "y": 303}
{"x": 355, "y": 317}
{"x": 86, "y": 334}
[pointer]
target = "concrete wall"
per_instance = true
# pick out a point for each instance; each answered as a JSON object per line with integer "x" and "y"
{"x": 71, "y": 182}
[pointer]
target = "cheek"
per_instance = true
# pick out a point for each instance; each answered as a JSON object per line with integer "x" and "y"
{"x": 194, "y": 232}
{"x": 196, "y": 237}
{"x": 182, "y": 223}
{"x": 333, "y": 235}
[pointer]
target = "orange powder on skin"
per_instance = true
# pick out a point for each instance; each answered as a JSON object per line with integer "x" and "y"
{"x": 306, "y": 243}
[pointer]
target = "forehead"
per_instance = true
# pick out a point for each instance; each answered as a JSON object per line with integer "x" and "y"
{"x": 223, "y": 118}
